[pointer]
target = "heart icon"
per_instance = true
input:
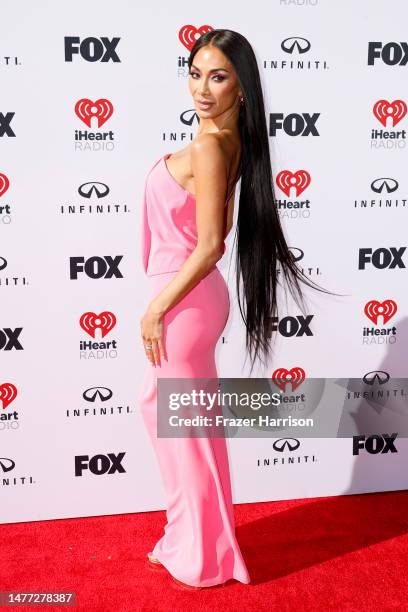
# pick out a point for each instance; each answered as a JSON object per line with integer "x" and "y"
{"x": 91, "y": 321}
{"x": 4, "y": 184}
{"x": 102, "y": 109}
{"x": 282, "y": 377}
{"x": 188, "y": 34}
{"x": 8, "y": 393}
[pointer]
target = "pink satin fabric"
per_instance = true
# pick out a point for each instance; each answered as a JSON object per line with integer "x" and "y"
{"x": 198, "y": 546}
{"x": 169, "y": 233}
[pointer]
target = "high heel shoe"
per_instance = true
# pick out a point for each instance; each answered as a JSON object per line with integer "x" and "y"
{"x": 153, "y": 560}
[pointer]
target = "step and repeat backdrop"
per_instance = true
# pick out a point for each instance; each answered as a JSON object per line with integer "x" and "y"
{"x": 92, "y": 95}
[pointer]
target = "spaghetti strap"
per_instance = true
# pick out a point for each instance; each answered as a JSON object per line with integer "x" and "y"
{"x": 230, "y": 193}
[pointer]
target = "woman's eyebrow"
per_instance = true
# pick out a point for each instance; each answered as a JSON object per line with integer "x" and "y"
{"x": 212, "y": 70}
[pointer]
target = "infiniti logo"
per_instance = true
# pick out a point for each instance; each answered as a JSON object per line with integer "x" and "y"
{"x": 3, "y": 263}
{"x": 297, "y": 254}
{"x": 86, "y": 190}
{"x": 7, "y": 464}
{"x": 189, "y": 117}
{"x": 295, "y": 43}
{"x": 378, "y": 376}
{"x": 290, "y": 444}
{"x": 389, "y": 184}
{"x": 102, "y": 393}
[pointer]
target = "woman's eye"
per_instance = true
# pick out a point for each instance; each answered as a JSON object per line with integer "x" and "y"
{"x": 217, "y": 76}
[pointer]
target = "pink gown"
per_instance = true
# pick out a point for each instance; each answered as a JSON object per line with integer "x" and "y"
{"x": 199, "y": 545}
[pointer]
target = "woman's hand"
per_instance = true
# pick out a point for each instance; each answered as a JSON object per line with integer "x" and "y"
{"x": 151, "y": 326}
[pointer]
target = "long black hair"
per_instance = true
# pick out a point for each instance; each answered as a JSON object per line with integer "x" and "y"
{"x": 260, "y": 239}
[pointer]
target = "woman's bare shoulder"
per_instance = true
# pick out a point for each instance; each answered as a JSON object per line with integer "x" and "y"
{"x": 222, "y": 144}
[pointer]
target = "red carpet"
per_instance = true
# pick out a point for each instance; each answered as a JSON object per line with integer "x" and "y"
{"x": 337, "y": 553}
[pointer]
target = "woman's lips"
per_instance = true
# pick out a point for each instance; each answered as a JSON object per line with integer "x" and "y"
{"x": 204, "y": 105}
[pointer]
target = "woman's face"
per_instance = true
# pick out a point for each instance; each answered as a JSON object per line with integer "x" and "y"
{"x": 213, "y": 83}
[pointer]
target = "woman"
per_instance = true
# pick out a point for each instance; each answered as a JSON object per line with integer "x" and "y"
{"x": 188, "y": 212}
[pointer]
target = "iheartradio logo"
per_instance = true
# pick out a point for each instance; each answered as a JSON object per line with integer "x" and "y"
{"x": 299, "y": 181}
{"x": 90, "y": 322}
{"x": 282, "y": 377}
{"x": 374, "y": 309}
{"x": 4, "y": 184}
{"x": 102, "y": 109}
{"x": 395, "y": 110}
{"x": 8, "y": 393}
{"x": 188, "y": 34}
